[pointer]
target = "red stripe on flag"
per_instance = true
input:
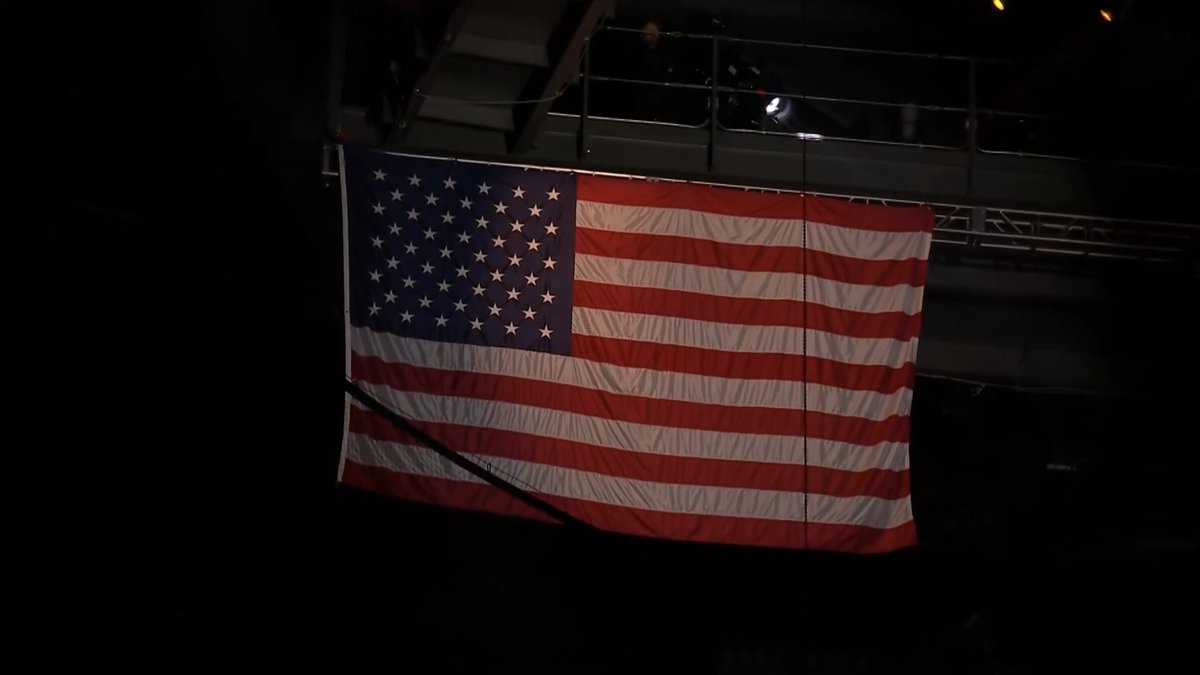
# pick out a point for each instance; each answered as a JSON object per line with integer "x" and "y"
{"x": 638, "y": 522}
{"x": 749, "y": 257}
{"x": 746, "y": 311}
{"x": 635, "y": 409}
{"x": 741, "y": 365}
{"x": 752, "y": 204}
{"x": 881, "y": 483}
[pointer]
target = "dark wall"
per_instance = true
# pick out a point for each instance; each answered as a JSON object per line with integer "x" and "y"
{"x": 173, "y": 499}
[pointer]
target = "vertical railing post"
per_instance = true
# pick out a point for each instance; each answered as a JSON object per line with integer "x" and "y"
{"x": 972, "y": 126}
{"x": 581, "y": 148}
{"x": 712, "y": 102}
{"x": 336, "y": 71}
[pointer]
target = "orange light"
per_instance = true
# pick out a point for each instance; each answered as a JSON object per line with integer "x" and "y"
{"x": 998, "y": 4}
{"x": 1106, "y": 15}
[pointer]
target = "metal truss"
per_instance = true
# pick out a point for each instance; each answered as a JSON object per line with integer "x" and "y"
{"x": 1058, "y": 234}
{"x": 1013, "y": 230}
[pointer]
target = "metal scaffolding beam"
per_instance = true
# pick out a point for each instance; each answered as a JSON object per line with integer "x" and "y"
{"x": 996, "y": 229}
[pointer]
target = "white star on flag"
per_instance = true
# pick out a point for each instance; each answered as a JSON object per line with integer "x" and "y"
{"x": 380, "y": 175}
{"x": 394, "y": 228}
{"x": 425, "y": 301}
{"x": 447, "y": 218}
{"x": 519, "y": 192}
{"x": 478, "y": 289}
{"x": 545, "y": 331}
{"x": 427, "y": 268}
{"x": 466, "y": 202}
{"x": 413, "y": 214}
{"x": 552, "y": 195}
{"x": 533, "y": 244}
{"x": 376, "y": 242}
{"x": 431, "y": 199}
{"x": 429, "y": 233}
{"x": 480, "y": 256}
{"x": 462, "y": 272}
{"x": 374, "y": 309}
{"x": 530, "y": 314}
{"x": 443, "y": 286}
{"x": 414, "y": 179}
{"x": 484, "y": 188}
{"x": 410, "y": 248}
{"x": 497, "y": 275}
{"x": 391, "y": 297}
{"x": 514, "y": 260}
{"x": 406, "y": 316}
{"x": 409, "y": 282}
{"x": 531, "y": 279}
{"x": 517, "y": 226}
{"x": 476, "y": 324}
{"x": 481, "y": 222}
{"x": 397, "y": 195}
{"x": 464, "y": 237}
{"x": 441, "y": 320}
{"x": 498, "y": 242}
{"x": 445, "y": 251}
{"x": 548, "y": 298}
{"x": 549, "y": 263}
{"x": 510, "y": 329}
{"x": 449, "y": 183}
{"x": 378, "y": 208}
{"x": 551, "y": 229}
{"x": 494, "y": 310}
{"x": 501, "y": 207}
{"x": 392, "y": 263}
{"x": 460, "y": 306}
{"x": 513, "y": 294}
{"x": 375, "y": 275}
{"x": 534, "y": 211}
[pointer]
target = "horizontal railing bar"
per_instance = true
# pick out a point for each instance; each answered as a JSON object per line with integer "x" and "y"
{"x": 823, "y": 47}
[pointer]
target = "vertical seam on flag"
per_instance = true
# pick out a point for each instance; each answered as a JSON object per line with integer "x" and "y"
{"x": 345, "y": 309}
{"x": 804, "y": 335}
{"x": 804, "y": 295}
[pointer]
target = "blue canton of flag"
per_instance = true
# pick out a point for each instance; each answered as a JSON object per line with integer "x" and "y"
{"x": 460, "y": 252}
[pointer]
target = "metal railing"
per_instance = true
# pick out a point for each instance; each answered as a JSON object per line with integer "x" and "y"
{"x": 891, "y": 97}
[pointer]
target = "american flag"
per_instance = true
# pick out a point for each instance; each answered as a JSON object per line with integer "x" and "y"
{"x": 654, "y": 358}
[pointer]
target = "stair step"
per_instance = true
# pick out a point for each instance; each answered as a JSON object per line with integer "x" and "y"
{"x": 497, "y": 117}
{"x": 514, "y": 31}
{"x": 471, "y": 79}
{"x": 529, "y": 54}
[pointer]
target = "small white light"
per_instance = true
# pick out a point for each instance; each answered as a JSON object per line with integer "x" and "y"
{"x": 773, "y": 106}
{"x": 809, "y": 137}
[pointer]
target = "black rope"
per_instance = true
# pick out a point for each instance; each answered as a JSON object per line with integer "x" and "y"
{"x": 474, "y": 469}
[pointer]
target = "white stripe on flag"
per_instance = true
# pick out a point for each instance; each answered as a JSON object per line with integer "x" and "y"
{"x": 609, "y": 378}
{"x": 845, "y": 241}
{"x": 728, "y": 283}
{"x": 639, "y": 494}
{"x": 634, "y": 437}
{"x": 739, "y": 338}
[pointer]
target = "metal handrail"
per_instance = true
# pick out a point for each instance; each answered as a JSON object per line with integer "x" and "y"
{"x": 973, "y": 115}
{"x": 846, "y": 139}
{"x": 971, "y": 112}
{"x": 817, "y": 46}
{"x": 726, "y": 89}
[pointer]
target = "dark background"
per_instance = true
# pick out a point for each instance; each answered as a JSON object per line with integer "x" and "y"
{"x": 173, "y": 505}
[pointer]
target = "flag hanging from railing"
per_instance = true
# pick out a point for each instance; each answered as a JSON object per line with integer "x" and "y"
{"x": 654, "y": 358}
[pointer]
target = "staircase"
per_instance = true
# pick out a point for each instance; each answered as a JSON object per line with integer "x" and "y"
{"x": 496, "y": 71}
